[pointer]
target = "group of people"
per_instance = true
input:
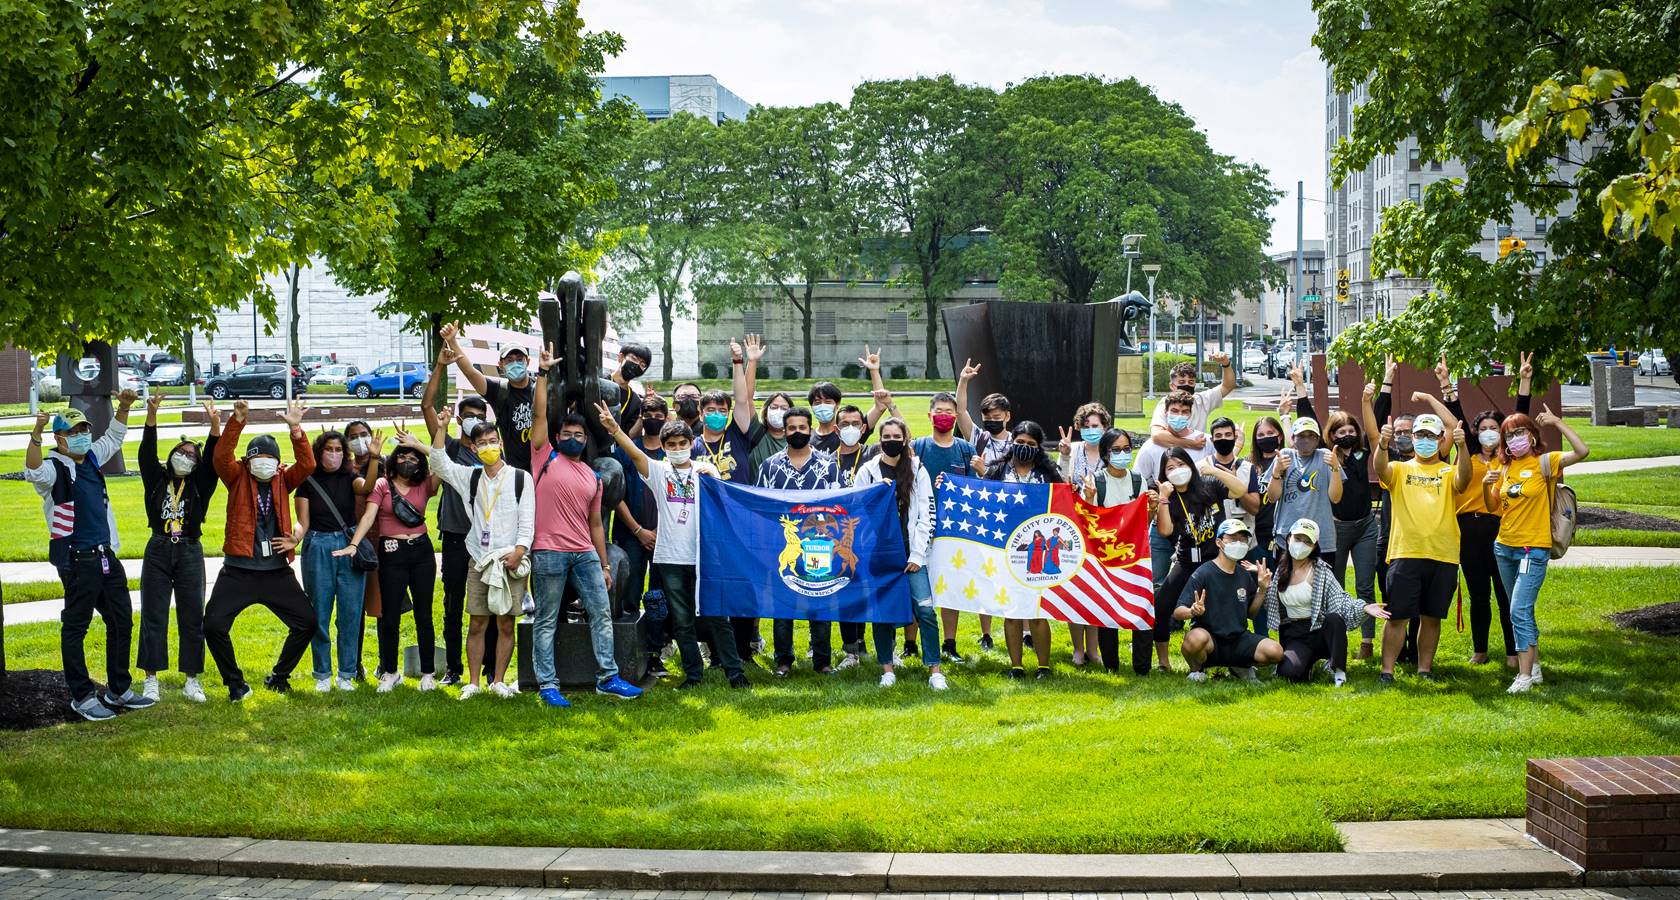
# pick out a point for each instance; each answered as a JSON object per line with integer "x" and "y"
{"x": 519, "y": 517}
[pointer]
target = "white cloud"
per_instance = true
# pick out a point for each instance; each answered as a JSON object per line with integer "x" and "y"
{"x": 1245, "y": 71}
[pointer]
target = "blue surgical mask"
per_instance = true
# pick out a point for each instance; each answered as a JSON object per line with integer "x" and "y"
{"x": 1120, "y": 459}
{"x": 1090, "y": 435}
{"x": 1425, "y": 447}
{"x": 515, "y": 370}
{"x": 824, "y": 412}
{"x": 79, "y": 443}
{"x": 717, "y": 420}
{"x": 1178, "y": 423}
{"x": 570, "y": 447}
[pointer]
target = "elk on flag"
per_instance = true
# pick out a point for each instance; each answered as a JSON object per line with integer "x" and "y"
{"x": 1030, "y": 551}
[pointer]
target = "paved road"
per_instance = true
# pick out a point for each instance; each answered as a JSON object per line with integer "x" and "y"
{"x": 71, "y": 884}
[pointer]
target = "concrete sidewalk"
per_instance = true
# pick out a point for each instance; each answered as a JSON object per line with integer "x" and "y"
{"x": 1606, "y": 466}
{"x": 1415, "y": 856}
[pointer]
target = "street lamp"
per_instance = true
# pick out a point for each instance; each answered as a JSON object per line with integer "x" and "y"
{"x": 1129, "y": 247}
{"x": 1150, "y": 270}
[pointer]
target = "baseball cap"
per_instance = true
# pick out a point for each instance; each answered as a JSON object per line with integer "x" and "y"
{"x": 1305, "y": 528}
{"x": 1233, "y": 526}
{"x": 1305, "y": 424}
{"x": 510, "y": 351}
{"x": 1429, "y": 422}
{"x": 69, "y": 419}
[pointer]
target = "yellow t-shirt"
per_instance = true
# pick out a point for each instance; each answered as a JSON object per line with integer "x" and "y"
{"x": 1527, "y": 518}
{"x": 1472, "y": 501}
{"x": 1425, "y": 505}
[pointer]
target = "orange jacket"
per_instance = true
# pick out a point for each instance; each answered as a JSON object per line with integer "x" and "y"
{"x": 242, "y": 488}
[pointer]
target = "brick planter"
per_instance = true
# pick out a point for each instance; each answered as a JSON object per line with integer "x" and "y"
{"x": 1607, "y": 813}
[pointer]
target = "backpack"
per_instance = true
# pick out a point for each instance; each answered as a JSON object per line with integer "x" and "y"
{"x": 1563, "y": 509}
{"x": 518, "y": 485}
{"x": 1102, "y": 487}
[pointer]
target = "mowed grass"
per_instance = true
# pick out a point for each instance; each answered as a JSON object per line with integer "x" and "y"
{"x": 1083, "y": 762}
{"x": 30, "y": 591}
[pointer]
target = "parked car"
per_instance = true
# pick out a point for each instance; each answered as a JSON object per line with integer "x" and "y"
{"x": 338, "y": 373}
{"x": 392, "y": 378}
{"x": 163, "y": 357}
{"x": 1654, "y": 362}
{"x": 47, "y": 380}
{"x": 135, "y": 361}
{"x": 256, "y": 380}
{"x": 313, "y": 362}
{"x": 130, "y": 379}
{"x": 168, "y": 374}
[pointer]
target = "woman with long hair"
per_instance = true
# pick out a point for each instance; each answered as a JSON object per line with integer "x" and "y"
{"x": 1310, "y": 610}
{"x": 365, "y": 446}
{"x": 1079, "y": 456}
{"x": 1112, "y": 485}
{"x": 897, "y": 465}
{"x": 326, "y": 505}
{"x": 1189, "y": 507}
{"x": 1357, "y": 530}
{"x": 1477, "y": 530}
{"x": 1027, "y": 463}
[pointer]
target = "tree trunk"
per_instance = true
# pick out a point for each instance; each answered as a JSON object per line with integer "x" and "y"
{"x": 665, "y": 325}
{"x": 189, "y": 367}
{"x": 807, "y": 325}
{"x": 434, "y": 344}
{"x": 295, "y": 312}
{"x": 930, "y": 308}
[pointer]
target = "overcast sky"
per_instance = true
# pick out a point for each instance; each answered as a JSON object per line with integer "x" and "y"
{"x": 1245, "y": 70}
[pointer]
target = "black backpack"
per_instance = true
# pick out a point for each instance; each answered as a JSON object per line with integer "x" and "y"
{"x": 518, "y": 487}
{"x": 1102, "y": 487}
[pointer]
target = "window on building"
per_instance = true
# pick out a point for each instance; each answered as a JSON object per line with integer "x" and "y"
{"x": 1414, "y": 159}
{"x": 1540, "y": 259}
{"x": 1414, "y": 193}
{"x": 898, "y": 324}
{"x": 822, "y": 323}
{"x": 1501, "y": 232}
{"x": 752, "y": 321}
{"x": 1540, "y": 224}
{"x": 1434, "y": 165}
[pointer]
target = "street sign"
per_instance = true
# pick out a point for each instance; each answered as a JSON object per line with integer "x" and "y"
{"x": 1311, "y": 298}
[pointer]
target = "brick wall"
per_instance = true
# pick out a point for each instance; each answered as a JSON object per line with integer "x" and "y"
{"x": 1619, "y": 812}
{"x": 15, "y": 375}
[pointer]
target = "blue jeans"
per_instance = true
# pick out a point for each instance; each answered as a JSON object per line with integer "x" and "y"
{"x": 1523, "y": 588}
{"x": 327, "y": 578}
{"x": 550, "y": 570}
{"x": 927, "y": 623}
{"x": 1160, "y": 556}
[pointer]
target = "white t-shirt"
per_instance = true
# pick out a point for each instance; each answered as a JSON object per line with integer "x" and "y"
{"x": 1206, "y": 402}
{"x": 677, "y": 494}
{"x": 1147, "y": 461}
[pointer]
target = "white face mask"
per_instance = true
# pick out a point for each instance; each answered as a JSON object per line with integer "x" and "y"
{"x": 1235, "y": 550}
{"x": 183, "y": 464}
{"x": 1180, "y": 476}
{"x": 1300, "y": 549}
{"x": 850, "y": 435}
{"x": 677, "y": 457}
{"x": 264, "y": 468}
{"x": 360, "y": 445}
{"x": 776, "y": 417}
{"x": 468, "y": 424}
{"x": 1489, "y": 438}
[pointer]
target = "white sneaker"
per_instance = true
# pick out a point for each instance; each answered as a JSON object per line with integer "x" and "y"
{"x": 150, "y": 689}
{"x": 470, "y": 691}
{"x": 427, "y": 682}
{"x": 193, "y": 691}
{"x": 1520, "y": 685}
{"x": 323, "y": 685}
{"x": 1535, "y": 677}
{"x": 1197, "y": 676}
{"x": 1338, "y": 677}
{"x": 849, "y": 662}
{"x": 502, "y": 690}
{"x": 346, "y": 684}
{"x": 888, "y": 679}
{"x": 388, "y": 682}
{"x": 937, "y": 681}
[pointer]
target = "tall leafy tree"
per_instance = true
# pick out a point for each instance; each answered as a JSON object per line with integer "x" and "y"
{"x": 1463, "y": 77}
{"x": 151, "y": 145}
{"x": 1086, "y": 161}
{"x": 921, "y": 162}
{"x": 665, "y": 217}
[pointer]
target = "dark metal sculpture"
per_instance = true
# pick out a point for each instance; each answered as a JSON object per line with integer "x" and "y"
{"x": 1134, "y": 315}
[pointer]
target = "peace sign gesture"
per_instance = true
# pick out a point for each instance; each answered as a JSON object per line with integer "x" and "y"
{"x": 1527, "y": 370}
{"x": 1066, "y": 443}
{"x": 608, "y": 420}
{"x": 1200, "y": 606}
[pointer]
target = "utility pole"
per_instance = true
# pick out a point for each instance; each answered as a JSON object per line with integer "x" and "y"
{"x": 1150, "y": 270}
{"x": 1300, "y": 212}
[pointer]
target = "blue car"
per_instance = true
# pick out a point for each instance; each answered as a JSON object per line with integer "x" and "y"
{"x": 396, "y": 379}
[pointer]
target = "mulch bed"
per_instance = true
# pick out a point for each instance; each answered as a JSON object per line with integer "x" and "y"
{"x": 34, "y": 698}
{"x": 1662, "y": 620}
{"x": 1601, "y": 517}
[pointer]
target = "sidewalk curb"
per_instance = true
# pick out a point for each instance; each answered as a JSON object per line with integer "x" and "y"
{"x": 804, "y": 871}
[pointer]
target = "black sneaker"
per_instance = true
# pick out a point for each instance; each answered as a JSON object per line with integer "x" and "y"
{"x": 948, "y": 650}
{"x": 740, "y": 681}
{"x": 450, "y": 679}
{"x": 1043, "y": 673}
{"x": 986, "y": 642}
{"x": 1017, "y": 673}
{"x": 1426, "y": 676}
{"x": 1026, "y": 639}
{"x": 656, "y": 667}
{"x": 279, "y": 684}
{"x": 689, "y": 684}
{"x": 1386, "y": 678}
{"x": 238, "y": 692}
{"x": 911, "y": 650}
{"x": 782, "y": 670}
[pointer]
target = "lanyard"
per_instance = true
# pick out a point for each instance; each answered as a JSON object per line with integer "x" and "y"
{"x": 712, "y": 455}
{"x": 1202, "y": 535}
{"x": 857, "y": 459}
{"x": 265, "y": 501}
{"x": 489, "y": 511}
{"x": 174, "y": 524}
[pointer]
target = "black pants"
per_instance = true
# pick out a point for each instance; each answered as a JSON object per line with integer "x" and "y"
{"x": 407, "y": 573}
{"x": 1304, "y": 645}
{"x": 1476, "y": 532}
{"x": 851, "y": 637}
{"x": 172, "y": 568}
{"x": 745, "y": 629}
{"x": 457, "y": 565}
{"x": 1166, "y": 600}
{"x": 88, "y": 587}
{"x": 822, "y": 647}
{"x": 644, "y": 580}
{"x": 239, "y": 589}
{"x": 679, "y": 598}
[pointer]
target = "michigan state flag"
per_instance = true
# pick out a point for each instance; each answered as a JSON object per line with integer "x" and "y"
{"x": 827, "y": 556}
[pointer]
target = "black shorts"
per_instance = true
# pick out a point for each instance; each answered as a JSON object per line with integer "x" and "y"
{"x": 1234, "y": 651}
{"x": 1420, "y": 587}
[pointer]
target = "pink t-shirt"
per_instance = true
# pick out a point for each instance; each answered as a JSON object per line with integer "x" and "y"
{"x": 566, "y": 493}
{"x": 386, "y": 522}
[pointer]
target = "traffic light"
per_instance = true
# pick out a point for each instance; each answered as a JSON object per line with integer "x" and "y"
{"x": 1510, "y": 245}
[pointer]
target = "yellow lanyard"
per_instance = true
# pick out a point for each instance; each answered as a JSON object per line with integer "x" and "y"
{"x": 856, "y": 460}
{"x": 174, "y": 526}
{"x": 1202, "y": 535}
{"x": 490, "y": 510}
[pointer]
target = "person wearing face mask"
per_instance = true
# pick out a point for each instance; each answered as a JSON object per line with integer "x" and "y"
{"x": 1305, "y": 482}
{"x": 1226, "y": 443}
{"x": 1478, "y": 528}
{"x": 326, "y": 504}
{"x": 83, "y": 548}
{"x": 453, "y": 520}
{"x": 1522, "y": 494}
{"x": 1423, "y": 550}
{"x": 1265, "y": 441}
{"x": 1189, "y": 432}
{"x": 177, "y": 496}
{"x": 364, "y": 446}
{"x": 913, "y": 491}
{"x": 1310, "y": 610}
{"x": 944, "y": 453}
{"x": 727, "y": 435}
{"x": 1354, "y": 513}
{"x": 257, "y": 548}
{"x": 800, "y": 467}
{"x": 407, "y": 561}
{"x": 1027, "y": 464}
{"x": 849, "y": 455}
{"x": 1218, "y": 599}
{"x": 1190, "y": 503}
{"x": 1179, "y": 407}
{"x": 1114, "y": 484}
{"x": 773, "y": 417}
{"x": 990, "y": 439}
{"x": 635, "y": 531}
{"x": 633, "y": 362}
{"x": 824, "y": 398}
{"x": 1076, "y": 454}
{"x": 512, "y": 396}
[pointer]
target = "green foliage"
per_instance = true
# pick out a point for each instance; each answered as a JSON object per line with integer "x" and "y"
{"x": 163, "y": 155}
{"x": 851, "y": 370}
{"x": 899, "y": 372}
{"x": 789, "y": 372}
{"x": 1087, "y": 161}
{"x": 708, "y": 369}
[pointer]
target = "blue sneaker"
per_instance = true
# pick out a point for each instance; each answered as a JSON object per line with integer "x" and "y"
{"x": 618, "y": 687}
{"x": 552, "y": 697}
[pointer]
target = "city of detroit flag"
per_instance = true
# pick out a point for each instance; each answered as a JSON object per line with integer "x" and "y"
{"x": 1039, "y": 551}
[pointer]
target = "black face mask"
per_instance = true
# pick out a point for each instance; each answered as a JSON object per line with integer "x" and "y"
{"x": 1348, "y": 441}
{"x": 992, "y": 426}
{"x": 1268, "y": 444}
{"x": 892, "y": 448}
{"x": 407, "y": 468}
{"x": 798, "y": 440}
{"x": 1023, "y": 452}
{"x": 1188, "y": 387}
{"x": 651, "y": 425}
{"x": 631, "y": 370}
{"x": 688, "y": 409}
{"x": 1224, "y": 446}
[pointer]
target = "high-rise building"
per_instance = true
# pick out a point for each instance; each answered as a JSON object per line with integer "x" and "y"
{"x": 663, "y": 96}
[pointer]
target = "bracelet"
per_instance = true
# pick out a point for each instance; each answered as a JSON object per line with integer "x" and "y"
{"x": 639, "y": 530}
{"x": 738, "y": 360}
{"x": 542, "y": 373}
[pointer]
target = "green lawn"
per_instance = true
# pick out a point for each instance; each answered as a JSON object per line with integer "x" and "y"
{"x": 1084, "y": 762}
{"x": 31, "y": 591}
{"x": 1625, "y": 537}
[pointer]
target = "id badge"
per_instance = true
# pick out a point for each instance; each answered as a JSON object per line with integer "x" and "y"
{"x": 1522, "y": 567}
{"x": 390, "y": 545}
{"x": 484, "y": 538}
{"x": 267, "y": 549}
{"x": 104, "y": 564}
{"x": 1195, "y": 554}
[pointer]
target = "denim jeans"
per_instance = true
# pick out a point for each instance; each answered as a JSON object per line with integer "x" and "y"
{"x": 822, "y": 646}
{"x": 927, "y": 623}
{"x": 327, "y": 578}
{"x": 1160, "y": 556}
{"x": 1357, "y": 540}
{"x": 1523, "y": 588}
{"x": 550, "y": 570}
{"x": 689, "y": 630}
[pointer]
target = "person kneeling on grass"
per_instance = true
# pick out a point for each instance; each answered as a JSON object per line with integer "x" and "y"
{"x": 1310, "y": 610}
{"x": 1218, "y": 601}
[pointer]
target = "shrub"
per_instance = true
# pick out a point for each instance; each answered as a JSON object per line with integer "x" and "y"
{"x": 708, "y": 370}
{"x": 50, "y": 393}
{"x": 851, "y": 370}
{"x": 789, "y": 373}
{"x": 899, "y": 373}
{"x": 763, "y": 371}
